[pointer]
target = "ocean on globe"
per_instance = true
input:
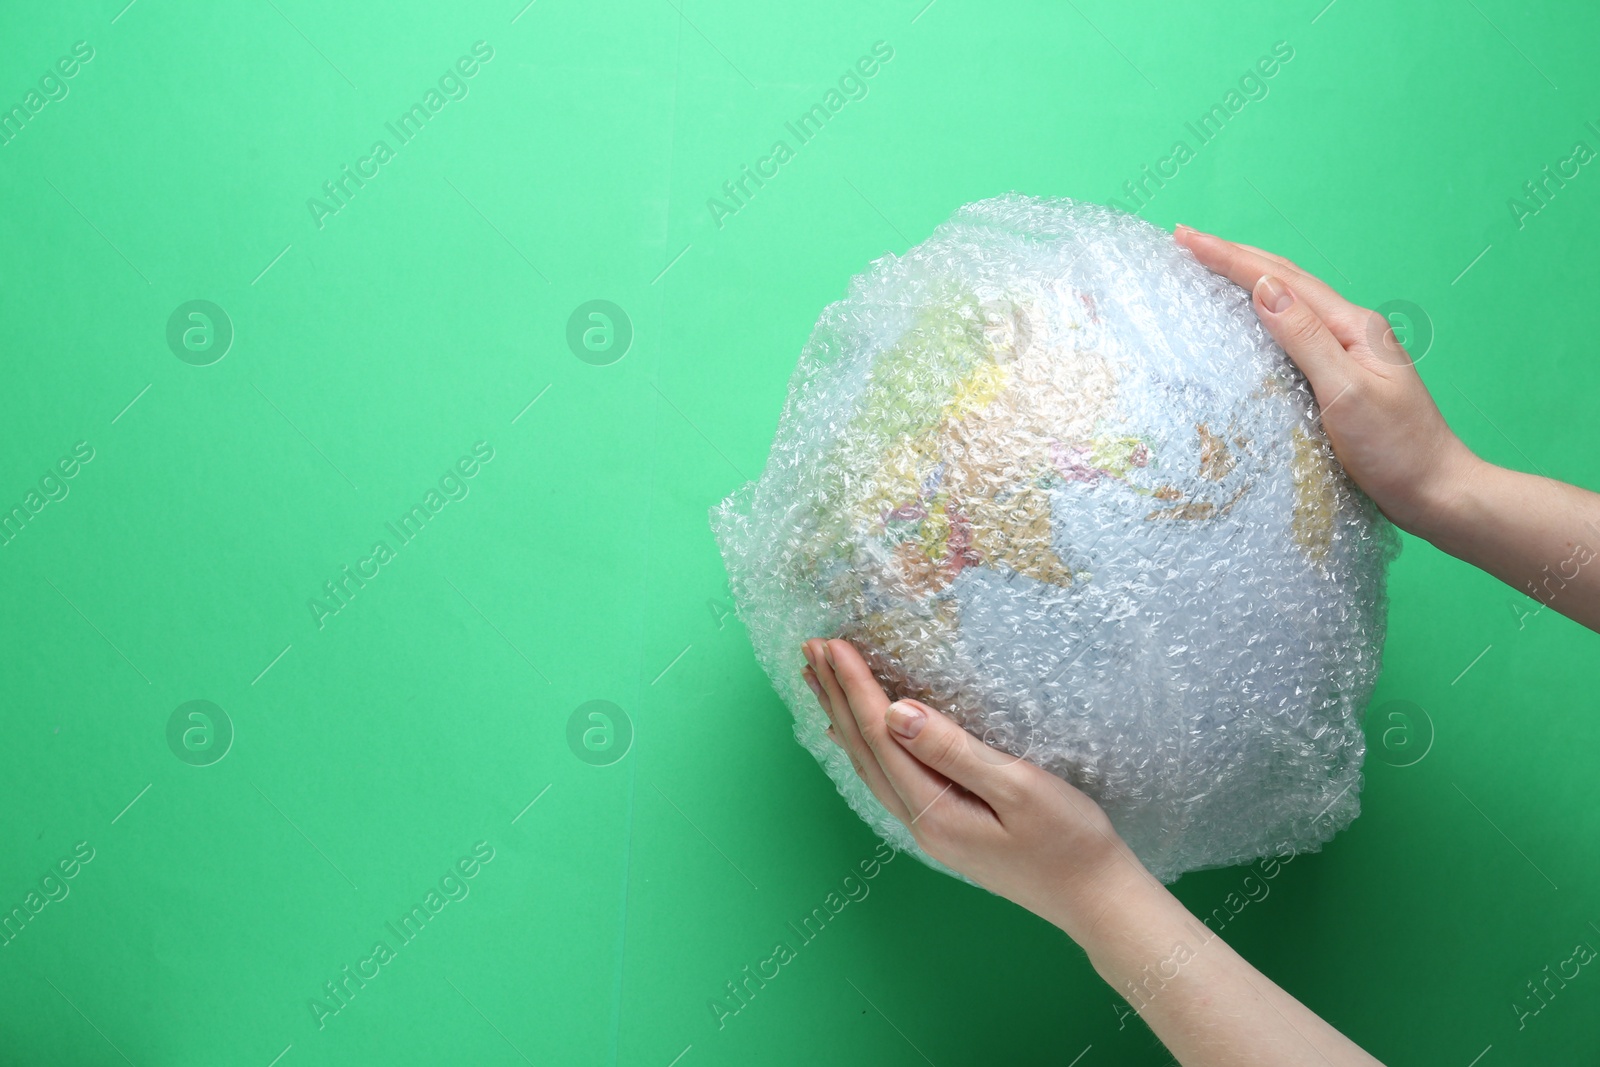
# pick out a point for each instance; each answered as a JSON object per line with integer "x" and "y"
{"x": 1053, "y": 478}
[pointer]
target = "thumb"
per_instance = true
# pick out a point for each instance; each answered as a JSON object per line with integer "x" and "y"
{"x": 938, "y": 743}
{"x": 1307, "y": 339}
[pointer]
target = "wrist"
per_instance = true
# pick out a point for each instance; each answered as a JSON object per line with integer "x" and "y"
{"x": 1105, "y": 898}
{"x": 1443, "y": 503}
{"x": 1135, "y": 924}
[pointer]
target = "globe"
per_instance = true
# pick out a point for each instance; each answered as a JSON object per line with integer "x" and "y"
{"x": 1053, "y": 477}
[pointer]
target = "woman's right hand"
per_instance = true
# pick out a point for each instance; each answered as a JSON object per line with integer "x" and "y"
{"x": 1382, "y": 422}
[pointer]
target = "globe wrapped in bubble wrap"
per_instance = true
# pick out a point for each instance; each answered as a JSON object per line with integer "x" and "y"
{"x": 1053, "y": 478}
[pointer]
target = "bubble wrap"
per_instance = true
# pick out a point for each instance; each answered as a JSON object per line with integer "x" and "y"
{"x": 1054, "y": 478}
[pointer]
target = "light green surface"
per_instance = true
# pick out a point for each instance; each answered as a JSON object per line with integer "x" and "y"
{"x": 372, "y": 753}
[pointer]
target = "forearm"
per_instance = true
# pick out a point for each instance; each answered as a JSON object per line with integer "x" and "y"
{"x": 1538, "y": 535}
{"x": 1206, "y": 1003}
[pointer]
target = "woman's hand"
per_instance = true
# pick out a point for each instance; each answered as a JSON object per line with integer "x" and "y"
{"x": 1384, "y": 426}
{"x": 1007, "y": 824}
{"x": 1539, "y": 536}
{"x": 1032, "y": 838}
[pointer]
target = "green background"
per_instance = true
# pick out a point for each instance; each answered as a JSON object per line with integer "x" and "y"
{"x": 374, "y": 751}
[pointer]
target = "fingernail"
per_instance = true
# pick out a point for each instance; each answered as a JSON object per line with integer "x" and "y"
{"x": 1180, "y": 227}
{"x": 906, "y": 719}
{"x": 827, "y": 650}
{"x": 805, "y": 650}
{"x": 1273, "y": 294}
{"x": 811, "y": 680}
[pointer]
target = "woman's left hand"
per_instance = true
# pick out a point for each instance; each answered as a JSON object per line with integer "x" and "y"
{"x": 1006, "y": 823}
{"x": 1034, "y": 839}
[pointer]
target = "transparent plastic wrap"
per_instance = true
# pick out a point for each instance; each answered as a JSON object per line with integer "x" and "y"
{"x": 1054, "y": 478}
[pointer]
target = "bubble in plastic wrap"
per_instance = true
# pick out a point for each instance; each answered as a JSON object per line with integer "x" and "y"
{"x": 1054, "y": 478}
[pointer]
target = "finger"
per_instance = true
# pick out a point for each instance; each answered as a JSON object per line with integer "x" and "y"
{"x": 1296, "y": 326}
{"x": 920, "y": 777}
{"x": 809, "y": 676}
{"x": 813, "y": 657}
{"x": 1377, "y": 331}
{"x": 848, "y": 735}
{"x": 812, "y": 650}
{"x": 943, "y": 746}
{"x": 815, "y": 685}
{"x": 1294, "y": 269}
{"x": 1244, "y": 267}
{"x": 1210, "y": 246}
{"x": 1282, "y": 261}
{"x": 832, "y": 732}
{"x": 829, "y": 693}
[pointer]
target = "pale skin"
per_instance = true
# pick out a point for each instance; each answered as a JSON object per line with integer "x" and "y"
{"x": 1037, "y": 841}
